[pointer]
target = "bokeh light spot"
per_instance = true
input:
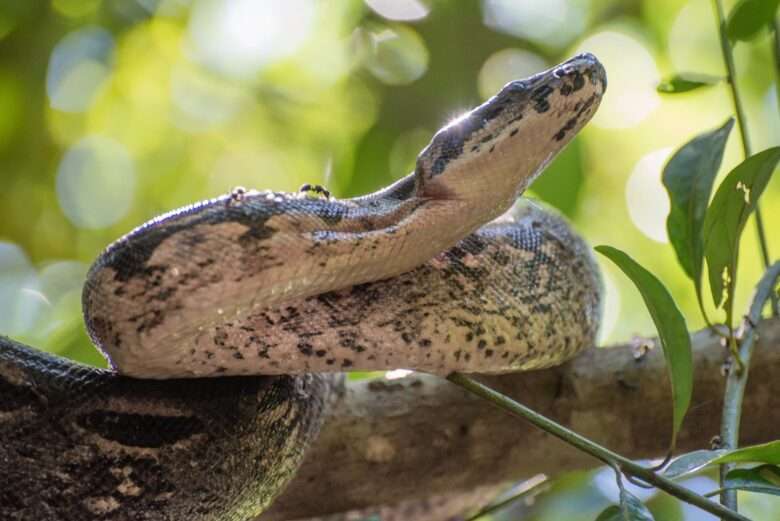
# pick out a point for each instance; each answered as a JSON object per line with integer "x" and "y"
{"x": 646, "y": 198}
{"x": 693, "y": 43}
{"x": 507, "y": 65}
{"x": 135, "y": 108}
{"x": 95, "y": 182}
{"x": 60, "y": 284}
{"x": 768, "y": 113}
{"x": 633, "y": 76}
{"x": 547, "y": 22}
{"x": 79, "y": 65}
{"x": 20, "y": 302}
{"x": 398, "y": 56}
{"x": 204, "y": 100}
{"x": 403, "y": 154}
{"x": 401, "y": 10}
{"x": 238, "y": 38}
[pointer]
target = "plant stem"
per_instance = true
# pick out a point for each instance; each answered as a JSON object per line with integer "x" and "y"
{"x": 533, "y": 490}
{"x": 737, "y": 380}
{"x": 597, "y": 451}
{"x": 731, "y": 77}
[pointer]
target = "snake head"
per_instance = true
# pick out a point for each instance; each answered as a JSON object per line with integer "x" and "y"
{"x": 502, "y": 145}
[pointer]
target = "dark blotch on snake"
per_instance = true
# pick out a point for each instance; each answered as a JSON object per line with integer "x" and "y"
{"x": 16, "y": 396}
{"x": 571, "y": 123}
{"x": 539, "y": 98}
{"x": 129, "y": 256}
{"x": 140, "y": 430}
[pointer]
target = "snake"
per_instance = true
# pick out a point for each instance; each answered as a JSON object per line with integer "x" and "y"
{"x": 228, "y": 323}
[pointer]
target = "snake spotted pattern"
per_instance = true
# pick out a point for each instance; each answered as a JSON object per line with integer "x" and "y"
{"x": 193, "y": 306}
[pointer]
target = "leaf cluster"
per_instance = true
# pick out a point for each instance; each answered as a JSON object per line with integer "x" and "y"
{"x": 705, "y": 230}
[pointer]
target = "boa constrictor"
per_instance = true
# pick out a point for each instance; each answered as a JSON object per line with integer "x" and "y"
{"x": 293, "y": 286}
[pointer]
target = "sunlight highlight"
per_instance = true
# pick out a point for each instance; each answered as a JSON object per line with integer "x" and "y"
{"x": 633, "y": 76}
{"x": 646, "y": 198}
{"x": 401, "y": 10}
{"x": 547, "y": 22}
{"x": 96, "y": 182}
{"x": 395, "y": 374}
{"x": 79, "y": 65}
{"x": 238, "y": 38}
{"x": 693, "y": 44}
{"x": 507, "y": 65}
{"x": 19, "y": 287}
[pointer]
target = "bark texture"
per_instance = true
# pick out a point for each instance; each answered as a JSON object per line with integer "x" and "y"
{"x": 419, "y": 440}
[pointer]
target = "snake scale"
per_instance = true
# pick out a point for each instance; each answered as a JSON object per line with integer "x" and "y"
{"x": 297, "y": 288}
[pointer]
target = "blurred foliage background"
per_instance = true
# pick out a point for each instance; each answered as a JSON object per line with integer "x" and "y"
{"x": 113, "y": 111}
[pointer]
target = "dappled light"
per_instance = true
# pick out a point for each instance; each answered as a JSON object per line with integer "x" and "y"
{"x": 632, "y": 79}
{"x": 238, "y": 38}
{"x": 401, "y": 10}
{"x": 693, "y": 45}
{"x": 507, "y": 65}
{"x": 19, "y": 290}
{"x": 79, "y": 65}
{"x": 396, "y": 55}
{"x": 545, "y": 22}
{"x": 646, "y": 199}
{"x": 96, "y": 182}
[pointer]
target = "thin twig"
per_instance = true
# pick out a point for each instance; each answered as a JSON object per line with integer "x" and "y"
{"x": 533, "y": 490}
{"x": 597, "y": 451}
{"x": 731, "y": 77}
{"x": 737, "y": 380}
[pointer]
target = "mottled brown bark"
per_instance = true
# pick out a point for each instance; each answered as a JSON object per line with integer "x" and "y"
{"x": 388, "y": 442}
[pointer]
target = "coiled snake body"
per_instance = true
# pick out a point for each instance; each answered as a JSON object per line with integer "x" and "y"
{"x": 266, "y": 283}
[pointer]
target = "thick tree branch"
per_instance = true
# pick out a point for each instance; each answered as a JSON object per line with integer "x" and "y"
{"x": 388, "y": 442}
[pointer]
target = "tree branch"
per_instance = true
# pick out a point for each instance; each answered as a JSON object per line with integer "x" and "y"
{"x": 389, "y": 442}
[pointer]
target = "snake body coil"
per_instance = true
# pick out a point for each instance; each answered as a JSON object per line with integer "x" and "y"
{"x": 284, "y": 284}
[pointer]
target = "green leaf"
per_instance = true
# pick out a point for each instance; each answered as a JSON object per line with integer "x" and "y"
{"x": 688, "y": 177}
{"x": 630, "y": 509}
{"x": 764, "y": 479}
{"x": 697, "y": 460}
{"x": 686, "y": 82}
{"x": 691, "y": 462}
{"x": 671, "y": 327}
{"x": 747, "y": 17}
{"x": 764, "y": 453}
{"x": 733, "y": 203}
